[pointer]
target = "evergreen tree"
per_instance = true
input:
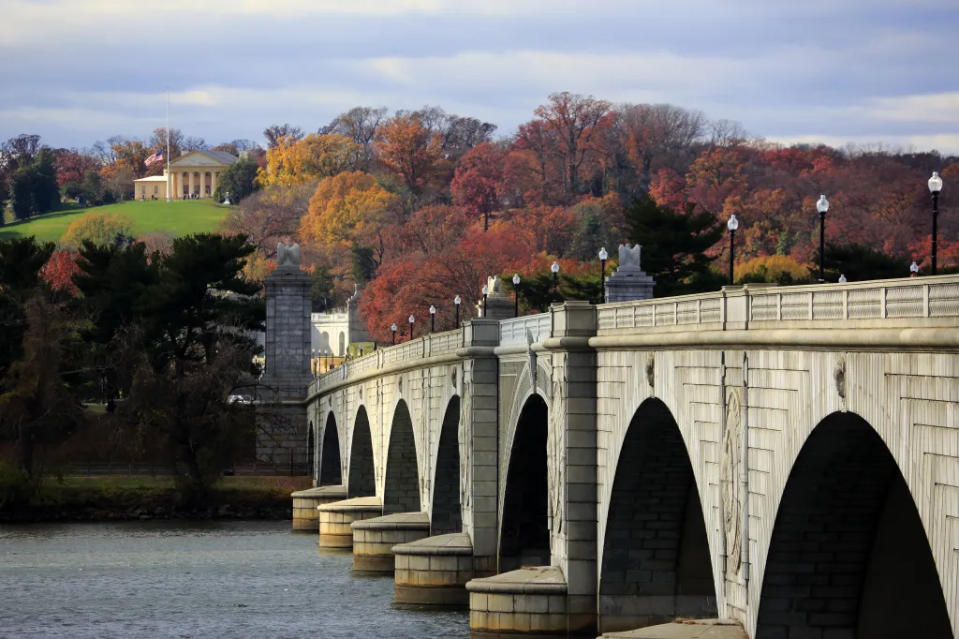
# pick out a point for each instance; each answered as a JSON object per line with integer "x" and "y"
{"x": 674, "y": 246}
{"x": 858, "y": 262}
{"x": 238, "y": 180}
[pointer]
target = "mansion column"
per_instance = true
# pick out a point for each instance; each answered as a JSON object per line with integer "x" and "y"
{"x": 191, "y": 184}
{"x": 213, "y": 175}
{"x": 202, "y": 184}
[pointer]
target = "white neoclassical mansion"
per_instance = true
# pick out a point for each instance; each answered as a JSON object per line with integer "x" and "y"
{"x": 191, "y": 176}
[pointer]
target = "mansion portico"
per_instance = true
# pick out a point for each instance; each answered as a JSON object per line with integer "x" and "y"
{"x": 192, "y": 175}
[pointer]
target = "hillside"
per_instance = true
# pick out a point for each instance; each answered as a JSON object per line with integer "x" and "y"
{"x": 178, "y": 217}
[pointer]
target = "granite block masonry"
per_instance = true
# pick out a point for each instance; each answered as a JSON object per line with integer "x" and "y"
{"x": 281, "y": 415}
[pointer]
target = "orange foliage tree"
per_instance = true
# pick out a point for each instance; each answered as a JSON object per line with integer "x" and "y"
{"x": 408, "y": 149}
{"x": 295, "y": 161}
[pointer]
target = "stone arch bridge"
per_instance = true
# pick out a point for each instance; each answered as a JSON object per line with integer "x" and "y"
{"x": 786, "y": 458}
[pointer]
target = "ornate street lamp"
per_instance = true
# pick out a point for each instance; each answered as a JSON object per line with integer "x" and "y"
{"x": 603, "y": 256}
{"x": 935, "y": 185}
{"x": 456, "y": 302}
{"x": 485, "y": 294}
{"x": 732, "y": 225}
{"x": 913, "y": 269}
{"x": 432, "y": 318}
{"x": 411, "y": 321}
{"x": 393, "y": 330}
{"x": 515, "y": 294}
{"x": 842, "y": 278}
{"x": 822, "y": 206}
{"x": 554, "y": 267}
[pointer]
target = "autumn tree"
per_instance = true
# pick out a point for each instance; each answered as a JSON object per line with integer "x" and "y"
{"x": 275, "y": 132}
{"x": 657, "y": 134}
{"x": 576, "y": 121}
{"x": 408, "y": 149}
{"x": 349, "y": 209}
{"x": 478, "y": 180}
{"x": 295, "y": 161}
{"x": 238, "y": 180}
{"x": 269, "y": 216}
{"x": 98, "y": 228}
{"x": 361, "y": 125}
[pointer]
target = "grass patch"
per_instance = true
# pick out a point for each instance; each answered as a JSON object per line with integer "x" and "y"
{"x": 179, "y": 217}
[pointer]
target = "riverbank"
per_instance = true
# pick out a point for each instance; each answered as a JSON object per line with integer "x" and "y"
{"x": 146, "y": 497}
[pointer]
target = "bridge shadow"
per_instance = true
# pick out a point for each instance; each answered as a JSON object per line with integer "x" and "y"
{"x": 655, "y": 563}
{"x": 401, "y": 493}
{"x": 361, "y": 479}
{"x": 445, "y": 516}
{"x": 524, "y": 532}
{"x": 330, "y": 467}
{"x": 849, "y": 555}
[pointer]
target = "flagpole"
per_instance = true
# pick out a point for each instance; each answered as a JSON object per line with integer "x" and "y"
{"x": 169, "y": 176}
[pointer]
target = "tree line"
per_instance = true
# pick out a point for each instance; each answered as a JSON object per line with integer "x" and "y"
{"x": 157, "y": 340}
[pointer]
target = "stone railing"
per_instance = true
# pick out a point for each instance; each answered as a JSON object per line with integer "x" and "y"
{"x": 914, "y": 298}
{"x": 524, "y": 330}
{"x": 422, "y": 347}
{"x": 704, "y": 308}
{"x": 926, "y": 299}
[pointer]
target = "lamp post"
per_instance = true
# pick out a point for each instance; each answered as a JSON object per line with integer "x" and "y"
{"x": 485, "y": 294}
{"x": 913, "y": 269}
{"x": 456, "y": 302}
{"x": 554, "y": 267}
{"x": 411, "y": 321}
{"x": 822, "y": 205}
{"x": 432, "y": 318}
{"x": 603, "y": 256}
{"x": 515, "y": 294}
{"x": 732, "y": 225}
{"x": 935, "y": 185}
{"x": 393, "y": 330}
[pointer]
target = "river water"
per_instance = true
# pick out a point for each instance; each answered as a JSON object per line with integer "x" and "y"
{"x": 194, "y": 579}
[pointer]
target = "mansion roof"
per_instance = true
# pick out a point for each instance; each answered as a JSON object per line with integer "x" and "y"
{"x": 205, "y": 158}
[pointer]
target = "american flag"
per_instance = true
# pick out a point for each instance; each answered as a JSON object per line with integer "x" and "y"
{"x": 153, "y": 159}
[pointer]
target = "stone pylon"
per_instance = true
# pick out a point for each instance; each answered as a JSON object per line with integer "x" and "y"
{"x": 629, "y": 282}
{"x": 282, "y": 429}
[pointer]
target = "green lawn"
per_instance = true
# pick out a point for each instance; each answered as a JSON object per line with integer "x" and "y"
{"x": 181, "y": 217}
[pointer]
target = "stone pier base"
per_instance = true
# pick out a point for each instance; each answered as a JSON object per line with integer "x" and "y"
{"x": 434, "y": 571}
{"x": 305, "y": 514}
{"x": 529, "y": 601}
{"x": 336, "y": 517}
{"x": 373, "y": 539}
{"x": 689, "y": 629}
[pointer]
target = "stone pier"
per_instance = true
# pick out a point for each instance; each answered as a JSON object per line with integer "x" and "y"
{"x": 373, "y": 539}
{"x": 337, "y": 517}
{"x": 530, "y": 600}
{"x": 434, "y": 571}
{"x": 305, "y": 503}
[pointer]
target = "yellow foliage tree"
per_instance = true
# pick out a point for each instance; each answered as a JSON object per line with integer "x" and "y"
{"x": 99, "y": 228}
{"x": 312, "y": 158}
{"x": 348, "y": 209}
{"x": 779, "y": 269}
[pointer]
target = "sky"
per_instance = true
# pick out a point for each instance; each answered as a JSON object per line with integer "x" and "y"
{"x": 867, "y": 72}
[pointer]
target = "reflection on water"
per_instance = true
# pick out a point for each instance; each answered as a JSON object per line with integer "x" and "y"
{"x": 194, "y": 579}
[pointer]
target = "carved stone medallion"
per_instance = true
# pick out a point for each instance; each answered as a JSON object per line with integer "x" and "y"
{"x": 730, "y": 470}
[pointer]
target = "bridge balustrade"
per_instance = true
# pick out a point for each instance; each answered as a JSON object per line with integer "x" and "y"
{"x": 524, "y": 330}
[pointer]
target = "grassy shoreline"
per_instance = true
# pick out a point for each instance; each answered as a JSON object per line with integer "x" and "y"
{"x": 132, "y": 497}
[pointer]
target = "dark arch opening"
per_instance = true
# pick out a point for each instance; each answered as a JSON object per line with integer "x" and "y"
{"x": 848, "y": 555}
{"x": 330, "y": 473}
{"x": 524, "y": 536}
{"x": 446, "y": 517}
{"x": 402, "y": 494}
{"x": 310, "y": 452}
{"x": 361, "y": 480}
{"x": 656, "y": 563}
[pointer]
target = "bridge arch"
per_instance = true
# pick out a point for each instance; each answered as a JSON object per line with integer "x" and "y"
{"x": 656, "y": 560}
{"x": 361, "y": 478}
{"x": 445, "y": 512}
{"x": 848, "y": 552}
{"x": 524, "y": 529}
{"x": 330, "y": 471}
{"x": 401, "y": 490}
